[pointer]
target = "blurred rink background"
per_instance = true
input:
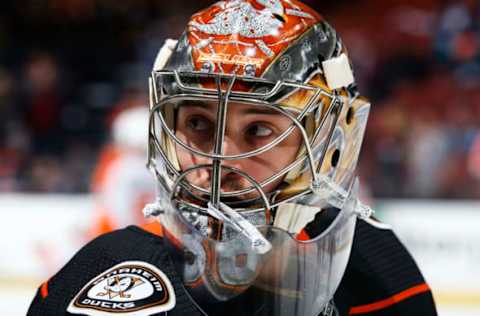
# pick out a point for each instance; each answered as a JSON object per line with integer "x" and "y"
{"x": 69, "y": 67}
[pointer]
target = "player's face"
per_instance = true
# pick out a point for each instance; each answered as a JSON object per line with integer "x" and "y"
{"x": 248, "y": 127}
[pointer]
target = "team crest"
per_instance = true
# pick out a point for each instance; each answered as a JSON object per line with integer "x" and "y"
{"x": 129, "y": 288}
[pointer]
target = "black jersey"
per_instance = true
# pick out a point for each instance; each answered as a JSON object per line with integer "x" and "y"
{"x": 129, "y": 272}
{"x": 381, "y": 278}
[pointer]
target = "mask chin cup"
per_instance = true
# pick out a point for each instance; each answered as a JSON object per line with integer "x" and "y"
{"x": 263, "y": 264}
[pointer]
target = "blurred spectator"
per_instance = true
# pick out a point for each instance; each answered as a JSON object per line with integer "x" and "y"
{"x": 121, "y": 183}
{"x": 42, "y": 103}
{"x": 10, "y": 138}
{"x": 474, "y": 158}
{"x": 457, "y": 35}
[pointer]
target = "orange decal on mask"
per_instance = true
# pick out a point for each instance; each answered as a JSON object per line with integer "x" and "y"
{"x": 235, "y": 34}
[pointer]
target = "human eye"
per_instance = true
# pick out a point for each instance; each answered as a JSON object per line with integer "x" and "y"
{"x": 259, "y": 130}
{"x": 199, "y": 124}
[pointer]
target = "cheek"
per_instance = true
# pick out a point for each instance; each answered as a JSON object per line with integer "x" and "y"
{"x": 185, "y": 159}
{"x": 275, "y": 160}
{"x": 270, "y": 163}
{"x": 284, "y": 153}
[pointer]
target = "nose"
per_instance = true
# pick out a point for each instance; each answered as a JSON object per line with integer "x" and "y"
{"x": 230, "y": 148}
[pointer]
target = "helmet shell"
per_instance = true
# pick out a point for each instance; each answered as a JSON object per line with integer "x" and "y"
{"x": 273, "y": 40}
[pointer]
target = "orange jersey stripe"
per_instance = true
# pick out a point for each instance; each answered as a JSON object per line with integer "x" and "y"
{"x": 44, "y": 289}
{"x": 154, "y": 227}
{"x": 303, "y": 235}
{"x": 363, "y": 309}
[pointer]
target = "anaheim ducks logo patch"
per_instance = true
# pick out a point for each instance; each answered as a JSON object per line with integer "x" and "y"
{"x": 129, "y": 288}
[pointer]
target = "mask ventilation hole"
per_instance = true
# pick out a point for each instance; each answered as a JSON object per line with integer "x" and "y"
{"x": 350, "y": 114}
{"x": 335, "y": 158}
{"x": 279, "y": 17}
{"x": 189, "y": 257}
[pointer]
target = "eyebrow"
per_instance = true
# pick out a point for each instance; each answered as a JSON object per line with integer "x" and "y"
{"x": 250, "y": 110}
{"x": 263, "y": 111}
{"x": 194, "y": 103}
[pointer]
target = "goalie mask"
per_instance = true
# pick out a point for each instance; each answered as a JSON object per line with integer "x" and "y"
{"x": 254, "y": 134}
